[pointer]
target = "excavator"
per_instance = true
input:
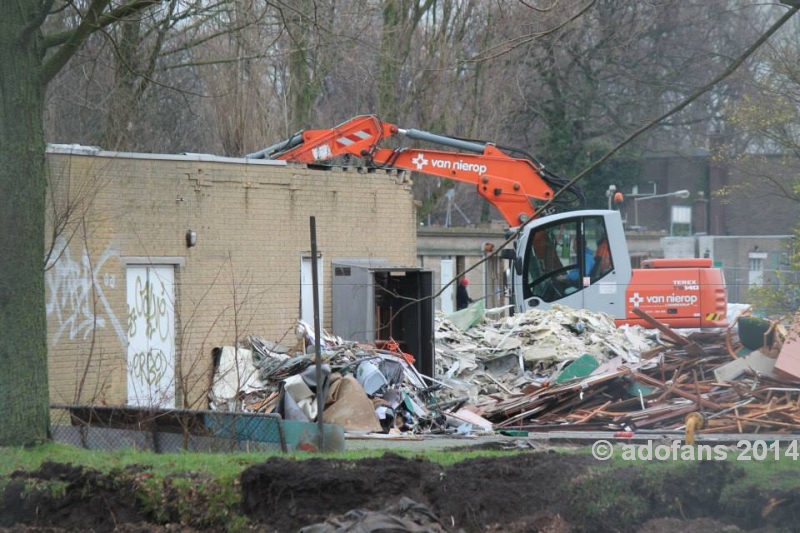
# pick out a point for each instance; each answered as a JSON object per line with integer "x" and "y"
{"x": 570, "y": 256}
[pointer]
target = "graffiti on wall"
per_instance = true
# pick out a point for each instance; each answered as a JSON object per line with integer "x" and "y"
{"x": 151, "y": 304}
{"x": 77, "y": 300}
{"x": 149, "y": 367}
{"x": 151, "y": 343}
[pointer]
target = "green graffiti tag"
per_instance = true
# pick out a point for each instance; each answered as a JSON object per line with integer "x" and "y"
{"x": 149, "y": 367}
{"x": 151, "y": 304}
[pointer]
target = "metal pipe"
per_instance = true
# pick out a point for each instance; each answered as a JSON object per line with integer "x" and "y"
{"x": 267, "y": 152}
{"x": 317, "y": 335}
{"x": 420, "y": 135}
{"x": 694, "y": 422}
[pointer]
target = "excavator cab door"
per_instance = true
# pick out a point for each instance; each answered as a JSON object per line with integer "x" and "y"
{"x": 578, "y": 259}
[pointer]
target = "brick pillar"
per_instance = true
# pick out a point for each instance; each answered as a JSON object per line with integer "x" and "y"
{"x": 717, "y": 180}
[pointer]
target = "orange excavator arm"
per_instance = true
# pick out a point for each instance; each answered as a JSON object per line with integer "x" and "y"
{"x": 507, "y": 182}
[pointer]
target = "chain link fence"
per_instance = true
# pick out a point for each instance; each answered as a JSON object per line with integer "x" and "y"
{"x": 739, "y": 281}
{"x": 169, "y": 430}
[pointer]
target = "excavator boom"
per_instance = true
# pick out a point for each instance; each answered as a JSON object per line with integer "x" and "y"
{"x": 506, "y": 182}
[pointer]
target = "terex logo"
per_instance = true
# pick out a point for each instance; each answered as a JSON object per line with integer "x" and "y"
{"x": 420, "y": 162}
{"x": 686, "y": 284}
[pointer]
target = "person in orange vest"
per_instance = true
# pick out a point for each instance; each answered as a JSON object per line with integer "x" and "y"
{"x": 462, "y": 296}
{"x": 602, "y": 256}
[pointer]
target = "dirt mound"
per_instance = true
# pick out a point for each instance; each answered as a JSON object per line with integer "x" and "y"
{"x": 142, "y": 527}
{"x": 474, "y": 494}
{"x": 509, "y": 491}
{"x": 765, "y": 506}
{"x": 675, "y": 525}
{"x": 72, "y": 498}
{"x": 528, "y": 492}
{"x": 62, "y": 497}
{"x": 287, "y": 495}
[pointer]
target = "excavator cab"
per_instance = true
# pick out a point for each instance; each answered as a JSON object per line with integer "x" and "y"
{"x": 578, "y": 259}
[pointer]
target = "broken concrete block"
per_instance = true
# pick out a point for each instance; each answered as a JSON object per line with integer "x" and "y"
{"x": 788, "y": 364}
{"x": 756, "y": 361}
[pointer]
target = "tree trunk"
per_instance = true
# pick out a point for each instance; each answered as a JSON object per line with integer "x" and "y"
{"x": 124, "y": 100}
{"x": 304, "y": 84}
{"x": 390, "y": 62}
{"x": 24, "y": 396}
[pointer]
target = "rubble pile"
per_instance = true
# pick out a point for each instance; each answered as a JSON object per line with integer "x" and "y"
{"x": 366, "y": 389}
{"x": 510, "y": 355}
{"x": 547, "y": 370}
{"x": 710, "y": 373}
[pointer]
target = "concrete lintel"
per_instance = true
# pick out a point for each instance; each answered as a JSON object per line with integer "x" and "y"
{"x": 154, "y": 260}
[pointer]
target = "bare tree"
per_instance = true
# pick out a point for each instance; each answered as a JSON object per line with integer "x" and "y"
{"x": 589, "y": 82}
{"x": 29, "y": 60}
{"x": 141, "y": 85}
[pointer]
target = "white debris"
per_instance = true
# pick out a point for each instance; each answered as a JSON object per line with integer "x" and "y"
{"x": 235, "y": 373}
{"x": 502, "y": 355}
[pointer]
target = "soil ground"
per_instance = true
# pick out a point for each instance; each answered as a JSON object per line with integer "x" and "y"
{"x": 528, "y": 492}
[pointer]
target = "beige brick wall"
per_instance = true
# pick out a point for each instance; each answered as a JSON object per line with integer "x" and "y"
{"x": 252, "y": 224}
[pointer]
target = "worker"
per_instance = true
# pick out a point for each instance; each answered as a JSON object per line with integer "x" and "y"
{"x": 573, "y": 274}
{"x": 603, "y": 254}
{"x": 462, "y": 296}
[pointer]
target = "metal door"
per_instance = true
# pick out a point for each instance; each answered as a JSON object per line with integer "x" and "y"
{"x": 151, "y": 335}
{"x": 755, "y": 273}
{"x": 448, "y": 296}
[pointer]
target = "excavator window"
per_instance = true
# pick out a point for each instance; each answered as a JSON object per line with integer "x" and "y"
{"x": 560, "y": 256}
{"x": 552, "y": 261}
{"x": 597, "y": 240}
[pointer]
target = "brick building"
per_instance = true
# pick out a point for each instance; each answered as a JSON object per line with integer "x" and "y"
{"x": 448, "y": 251}
{"x": 751, "y": 198}
{"x": 157, "y": 259}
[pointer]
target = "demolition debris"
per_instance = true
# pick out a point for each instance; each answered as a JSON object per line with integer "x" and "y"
{"x": 553, "y": 370}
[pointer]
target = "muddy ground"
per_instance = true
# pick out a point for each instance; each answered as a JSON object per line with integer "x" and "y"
{"x": 531, "y": 492}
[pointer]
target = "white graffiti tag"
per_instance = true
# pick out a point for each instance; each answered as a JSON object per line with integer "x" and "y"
{"x": 74, "y": 287}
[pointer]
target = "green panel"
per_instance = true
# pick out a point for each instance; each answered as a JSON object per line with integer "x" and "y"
{"x": 298, "y": 435}
{"x": 580, "y": 368}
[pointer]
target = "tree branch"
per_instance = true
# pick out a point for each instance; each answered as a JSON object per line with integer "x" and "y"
{"x": 154, "y": 54}
{"x": 149, "y": 80}
{"x": 37, "y": 21}
{"x": 95, "y": 20}
{"x": 208, "y": 62}
{"x": 55, "y": 39}
{"x": 204, "y": 39}
{"x": 512, "y": 44}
